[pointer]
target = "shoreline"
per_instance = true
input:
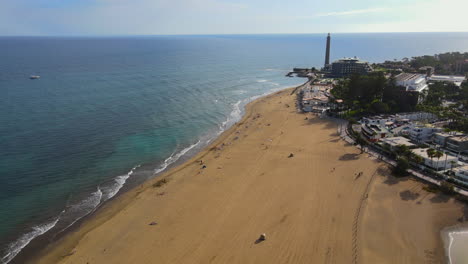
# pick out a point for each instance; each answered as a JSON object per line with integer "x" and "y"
{"x": 120, "y": 200}
{"x": 181, "y": 156}
{"x": 245, "y": 204}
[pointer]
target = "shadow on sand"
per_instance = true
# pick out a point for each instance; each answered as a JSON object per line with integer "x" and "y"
{"x": 392, "y": 180}
{"x": 440, "y": 198}
{"x": 349, "y": 156}
{"x": 409, "y": 195}
{"x": 258, "y": 241}
{"x": 464, "y": 217}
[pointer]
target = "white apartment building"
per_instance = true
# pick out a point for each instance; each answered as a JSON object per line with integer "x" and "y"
{"x": 442, "y": 163}
{"x": 461, "y": 174}
{"x": 423, "y": 133}
{"x": 412, "y": 81}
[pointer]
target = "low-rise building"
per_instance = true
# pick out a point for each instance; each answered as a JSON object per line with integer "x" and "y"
{"x": 412, "y": 81}
{"x": 440, "y": 138}
{"x": 400, "y": 118}
{"x": 461, "y": 174}
{"x": 348, "y": 66}
{"x": 457, "y": 143}
{"x": 457, "y": 80}
{"x": 442, "y": 163}
{"x": 374, "y": 132}
{"x": 423, "y": 133}
{"x": 393, "y": 142}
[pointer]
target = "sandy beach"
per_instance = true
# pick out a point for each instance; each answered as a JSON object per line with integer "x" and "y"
{"x": 325, "y": 203}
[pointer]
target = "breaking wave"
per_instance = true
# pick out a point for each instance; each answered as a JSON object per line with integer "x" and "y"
{"x": 15, "y": 247}
{"x": 174, "y": 157}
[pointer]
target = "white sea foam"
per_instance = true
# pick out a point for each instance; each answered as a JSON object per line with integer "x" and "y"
{"x": 15, "y": 247}
{"x": 234, "y": 116}
{"x": 90, "y": 204}
{"x": 237, "y": 108}
{"x": 119, "y": 181}
{"x": 174, "y": 157}
{"x": 81, "y": 209}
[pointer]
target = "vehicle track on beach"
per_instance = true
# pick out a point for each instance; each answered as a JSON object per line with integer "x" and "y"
{"x": 357, "y": 216}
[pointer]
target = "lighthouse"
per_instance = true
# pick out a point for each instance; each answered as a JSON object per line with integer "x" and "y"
{"x": 327, "y": 53}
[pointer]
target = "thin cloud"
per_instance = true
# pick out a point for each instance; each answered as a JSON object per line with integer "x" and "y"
{"x": 352, "y": 12}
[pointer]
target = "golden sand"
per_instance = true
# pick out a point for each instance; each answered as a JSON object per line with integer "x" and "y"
{"x": 313, "y": 207}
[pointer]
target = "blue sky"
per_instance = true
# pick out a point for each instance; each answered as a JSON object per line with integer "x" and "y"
{"x": 155, "y": 17}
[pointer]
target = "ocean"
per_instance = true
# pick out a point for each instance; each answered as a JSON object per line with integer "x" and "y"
{"x": 109, "y": 113}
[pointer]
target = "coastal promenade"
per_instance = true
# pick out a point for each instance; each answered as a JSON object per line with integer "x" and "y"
{"x": 343, "y": 131}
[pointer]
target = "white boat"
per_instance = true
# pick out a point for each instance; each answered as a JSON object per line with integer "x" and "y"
{"x": 33, "y": 77}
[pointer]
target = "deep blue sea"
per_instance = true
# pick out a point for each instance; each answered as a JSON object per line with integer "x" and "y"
{"x": 111, "y": 112}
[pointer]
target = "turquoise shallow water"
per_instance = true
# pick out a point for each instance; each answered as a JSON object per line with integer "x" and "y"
{"x": 108, "y": 113}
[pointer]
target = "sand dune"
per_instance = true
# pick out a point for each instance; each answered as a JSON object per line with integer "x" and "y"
{"x": 313, "y": 207}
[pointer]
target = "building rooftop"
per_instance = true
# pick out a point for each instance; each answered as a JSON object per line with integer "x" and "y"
{"x": 376, "y": 128}
{"x": 396, "y": 141}
{"x": 457, "y": 80}
{"x": 350, "y": 60}
{"x": 422, "y": 152}
{"x": 448, "y": 134}
{"x": 460, "y": 138}
{"x": 410, "y": 77}
{"x": 461, "y": 169}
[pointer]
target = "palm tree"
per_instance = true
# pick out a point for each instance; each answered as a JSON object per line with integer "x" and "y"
{"x": 452, "y": 163}
{"x": 430, "y": 153}
{"x": 417, "y": 159}
{"x": 438, "y": 154}
{"x": 402, "y": 150}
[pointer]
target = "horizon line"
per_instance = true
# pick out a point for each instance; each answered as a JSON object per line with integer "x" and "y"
{"x": 229, "y": 34}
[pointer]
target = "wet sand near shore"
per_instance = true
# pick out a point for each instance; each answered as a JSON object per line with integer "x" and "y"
{"x": 278, "y": 172}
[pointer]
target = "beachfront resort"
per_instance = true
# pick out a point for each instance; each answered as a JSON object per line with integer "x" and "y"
{"x": 433, "y": 147}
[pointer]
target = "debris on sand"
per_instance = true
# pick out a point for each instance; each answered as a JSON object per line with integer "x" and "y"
{"x": 153, "y": 223}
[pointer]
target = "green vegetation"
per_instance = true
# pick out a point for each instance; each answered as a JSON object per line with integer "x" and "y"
{"x": 159, "y": 183}
{"x": 447, "y": 187}
{"x": 374, "y": 94}
{"x": 444, "y": 63}
{"x": 361, "y": 142}
{"x": 401, "y": 167}
{"x": 402, "y": 150}
{"x": 431, "y": 188}
{"x": 456, "y": 113}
